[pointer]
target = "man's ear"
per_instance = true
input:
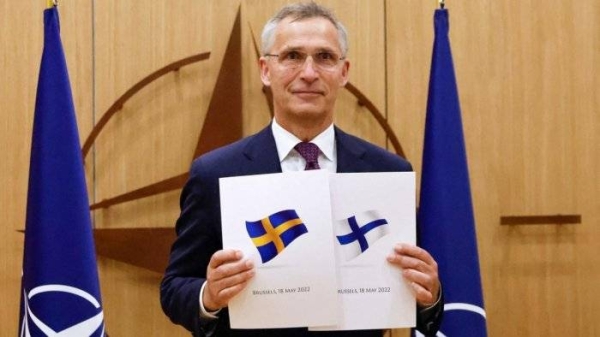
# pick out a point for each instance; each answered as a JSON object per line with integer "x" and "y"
{"x": 265, "y": 72}
{"x": 345, "y": 73}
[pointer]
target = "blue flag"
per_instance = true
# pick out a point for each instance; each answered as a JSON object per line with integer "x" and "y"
{"x": 275, "y": 232}
{"x": 60, "y": 290}
{"x": 446, "y": 224}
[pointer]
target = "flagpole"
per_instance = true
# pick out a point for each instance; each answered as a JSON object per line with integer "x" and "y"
{"x": 52, "y": 3}
{"x": 441, "y": 4}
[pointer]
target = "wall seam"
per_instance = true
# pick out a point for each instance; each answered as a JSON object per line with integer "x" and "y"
{"x": 385, "y": 70}
{"x": 93, "y": 154}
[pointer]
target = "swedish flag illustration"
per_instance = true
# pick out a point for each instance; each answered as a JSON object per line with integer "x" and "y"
{"x": 272, "y": 234}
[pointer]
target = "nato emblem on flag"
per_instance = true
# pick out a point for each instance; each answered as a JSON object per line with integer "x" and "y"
{"x": 359, "y": 232}
{"x": 275, "y": 232}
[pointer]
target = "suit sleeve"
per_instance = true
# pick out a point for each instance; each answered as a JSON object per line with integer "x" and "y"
{"x": 429, "y": 320}
{"x": 198, "y": 237}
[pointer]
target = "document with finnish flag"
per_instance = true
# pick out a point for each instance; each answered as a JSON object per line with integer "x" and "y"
{"x": 371, "y": 212}
{"x": 319, "y": 243}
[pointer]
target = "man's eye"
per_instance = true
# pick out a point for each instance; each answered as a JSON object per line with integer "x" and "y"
{"x": 325, "y": 56}
{"x": 293, "y": 55}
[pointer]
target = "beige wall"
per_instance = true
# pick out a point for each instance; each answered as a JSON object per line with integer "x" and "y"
{"x": 527, "y": 75}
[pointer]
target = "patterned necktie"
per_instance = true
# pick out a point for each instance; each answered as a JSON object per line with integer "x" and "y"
{"x": 310, "y": 152}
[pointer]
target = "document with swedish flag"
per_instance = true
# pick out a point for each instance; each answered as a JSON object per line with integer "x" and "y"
{"x": 283, "y": 223}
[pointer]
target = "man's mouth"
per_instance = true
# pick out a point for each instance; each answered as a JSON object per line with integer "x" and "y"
{"x": 307, "y": 92}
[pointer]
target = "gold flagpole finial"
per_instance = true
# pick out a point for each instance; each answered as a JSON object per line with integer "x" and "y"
{"x": 441, "y": 4}
{"x": 52, "y": 3}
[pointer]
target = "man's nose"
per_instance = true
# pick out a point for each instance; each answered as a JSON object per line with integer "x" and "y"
{"x": 309, "y": 72}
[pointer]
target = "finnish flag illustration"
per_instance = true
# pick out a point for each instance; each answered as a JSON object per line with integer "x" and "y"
{"x": 359, "y": 232}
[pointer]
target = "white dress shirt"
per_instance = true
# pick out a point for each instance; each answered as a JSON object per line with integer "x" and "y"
{"x": 291, "y": 160}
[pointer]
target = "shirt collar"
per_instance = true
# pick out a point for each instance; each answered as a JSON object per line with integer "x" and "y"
{"x": 285, "y": 141}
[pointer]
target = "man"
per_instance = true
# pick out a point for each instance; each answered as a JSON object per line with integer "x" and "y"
{"x": 304, "y": 63}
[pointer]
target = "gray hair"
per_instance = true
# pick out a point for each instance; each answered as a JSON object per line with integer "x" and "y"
{"x": 298, "y": 12}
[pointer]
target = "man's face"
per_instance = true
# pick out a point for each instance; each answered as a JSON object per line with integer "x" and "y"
{"x": 304, "y": 92}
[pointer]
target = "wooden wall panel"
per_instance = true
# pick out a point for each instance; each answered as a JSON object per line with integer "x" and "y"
{"x": 21, "y": 41}
{"x": 551, "y": 116}
{"x": 255, "y": 109}
{"x": 366, "y": 33}
{"x": 17, "y": 101}
{"x": 154, "y": 137}
{"x": 527, "y": 75}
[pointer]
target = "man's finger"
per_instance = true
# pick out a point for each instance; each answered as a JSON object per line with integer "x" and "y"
{"x": 424, "y": 280}
{"x": 223, "y": 256}
{"x": 233, "y": 280}
{"x": 414, "y": 251}
{"x": 226, "y": 294}
{"x": 220, "y": 292}
{"x": 423, "y": 296}
{"x": 228, "y": 269}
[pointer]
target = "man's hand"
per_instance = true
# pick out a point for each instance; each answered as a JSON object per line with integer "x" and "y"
{"x": 420, "y": 269}
{"x": 227, "y": 274}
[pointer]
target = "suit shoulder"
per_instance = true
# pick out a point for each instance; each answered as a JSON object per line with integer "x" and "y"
{"x": 245, "y": 156}
{"x": 382, "y": 159}
{"x": 223, "y": 154}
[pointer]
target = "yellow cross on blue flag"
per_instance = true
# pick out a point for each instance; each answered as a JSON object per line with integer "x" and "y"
{"x": 275, "y": 232}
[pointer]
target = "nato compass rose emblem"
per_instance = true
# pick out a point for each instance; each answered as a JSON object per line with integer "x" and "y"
{"x": 79, "y": 313}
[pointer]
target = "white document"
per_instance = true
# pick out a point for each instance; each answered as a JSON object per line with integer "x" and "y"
{"x": 371, "y": 213}
{"x": 291, "y": 243}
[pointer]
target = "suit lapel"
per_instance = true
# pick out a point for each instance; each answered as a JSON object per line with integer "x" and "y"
{"x": 261, "y": 153}
{"x": 350, "y": 153}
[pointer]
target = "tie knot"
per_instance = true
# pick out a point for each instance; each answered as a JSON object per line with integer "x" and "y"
{"x": 310, "y": 152}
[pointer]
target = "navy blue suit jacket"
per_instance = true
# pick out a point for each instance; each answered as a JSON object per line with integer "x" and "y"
{"x": 199, "y": 226}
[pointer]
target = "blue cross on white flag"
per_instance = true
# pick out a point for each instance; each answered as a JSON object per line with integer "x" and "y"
{"x": 359, "y": 232}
